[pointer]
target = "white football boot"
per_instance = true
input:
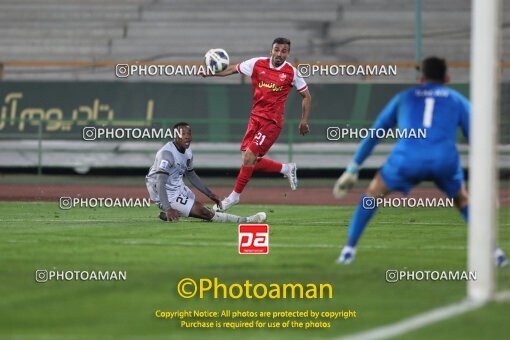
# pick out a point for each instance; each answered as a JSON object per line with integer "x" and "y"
{"x": 257, "y": 218}
{"x": 500, "y": 258}
{"x": 347, "y": 255}
{"x": 291, "y": 175}
{"x": 226, "y": 204}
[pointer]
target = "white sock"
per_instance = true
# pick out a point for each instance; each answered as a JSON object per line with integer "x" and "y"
{"x": 285, "y": 169}
{"x": 234, "y": 196}
{"x": 349, "y": 249}
{"x": 224, "y": 217}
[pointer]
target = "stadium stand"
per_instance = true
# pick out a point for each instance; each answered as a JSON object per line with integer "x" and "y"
{"x": 35, "y": 34}
{"x": 82, "y": 40}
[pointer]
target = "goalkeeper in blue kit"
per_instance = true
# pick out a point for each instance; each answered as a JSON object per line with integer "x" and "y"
{"x": 431, "y": 106}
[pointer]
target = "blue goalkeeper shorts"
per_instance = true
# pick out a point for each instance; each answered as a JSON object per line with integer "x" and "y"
{"x": 401, "y": 173}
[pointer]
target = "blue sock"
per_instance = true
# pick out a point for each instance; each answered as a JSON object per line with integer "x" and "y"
{"x": 360, "y": 219}
{"x": 464, "y": 211}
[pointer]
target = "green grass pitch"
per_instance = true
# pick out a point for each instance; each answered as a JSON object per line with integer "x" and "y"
{"x": 304, "y": 243}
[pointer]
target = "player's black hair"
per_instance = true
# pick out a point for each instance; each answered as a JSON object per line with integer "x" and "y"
{"x": 281, "y": 41}
{"x": 177, "y": 129}
{"x": 178, "y": 125}
{"x": 434, "y": 69}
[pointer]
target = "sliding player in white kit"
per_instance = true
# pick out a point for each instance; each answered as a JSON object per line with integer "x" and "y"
{"x": 167, "y": 189}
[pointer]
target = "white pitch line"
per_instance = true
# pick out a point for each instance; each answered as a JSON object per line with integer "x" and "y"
{"x": 296, "y": 223}
{"x": 416, "y": 322}
{"x": 232, "y": 244}
{"x": 80, "y": 221}
{"x": 277, "y": 245}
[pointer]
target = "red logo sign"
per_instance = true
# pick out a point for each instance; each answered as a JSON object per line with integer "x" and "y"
{"x": 253, "y": 239}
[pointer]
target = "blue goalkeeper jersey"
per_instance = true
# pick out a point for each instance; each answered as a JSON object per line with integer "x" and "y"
{"x": 434, "y": 107}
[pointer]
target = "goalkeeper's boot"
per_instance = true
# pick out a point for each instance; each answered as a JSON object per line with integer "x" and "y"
{"x": 291, "y": 175}
{"x": 257, "y": 218}
{"x": 347, "y": 255}
{"x": 501, "y": 260}
{"x": 226, "y": 204}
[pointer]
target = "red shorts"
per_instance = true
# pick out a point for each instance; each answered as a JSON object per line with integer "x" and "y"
{"x": 260, "y": 135}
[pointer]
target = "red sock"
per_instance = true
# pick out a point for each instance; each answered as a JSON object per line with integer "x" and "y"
{"x": 267, "y": 165}
{"x": 243, "y": 178}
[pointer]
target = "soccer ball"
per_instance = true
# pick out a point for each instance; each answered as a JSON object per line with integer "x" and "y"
{"x": 216, "y": 60}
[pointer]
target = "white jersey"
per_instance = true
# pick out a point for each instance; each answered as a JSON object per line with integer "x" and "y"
{"x": 171, "y": 161}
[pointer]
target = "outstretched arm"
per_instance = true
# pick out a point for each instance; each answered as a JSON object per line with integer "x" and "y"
{"x": 306, "y": 103}
{"x": 231, "y": 69}
{"x": 245, "y": 68}
{"x": 165, "y": 161}
{"x": 197, "y": 183}
{"x": 171, "y": 214}
{"x": 299, "y": 83}
{"x": 386, "y": 120}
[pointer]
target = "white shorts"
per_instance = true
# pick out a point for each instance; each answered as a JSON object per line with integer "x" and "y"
{"x": 182, "y": 202}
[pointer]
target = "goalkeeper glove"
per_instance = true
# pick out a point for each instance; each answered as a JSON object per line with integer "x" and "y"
{"x": 346, "y": 181}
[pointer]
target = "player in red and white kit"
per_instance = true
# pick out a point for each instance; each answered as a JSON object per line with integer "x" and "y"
{"x": 272, "y": 79}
